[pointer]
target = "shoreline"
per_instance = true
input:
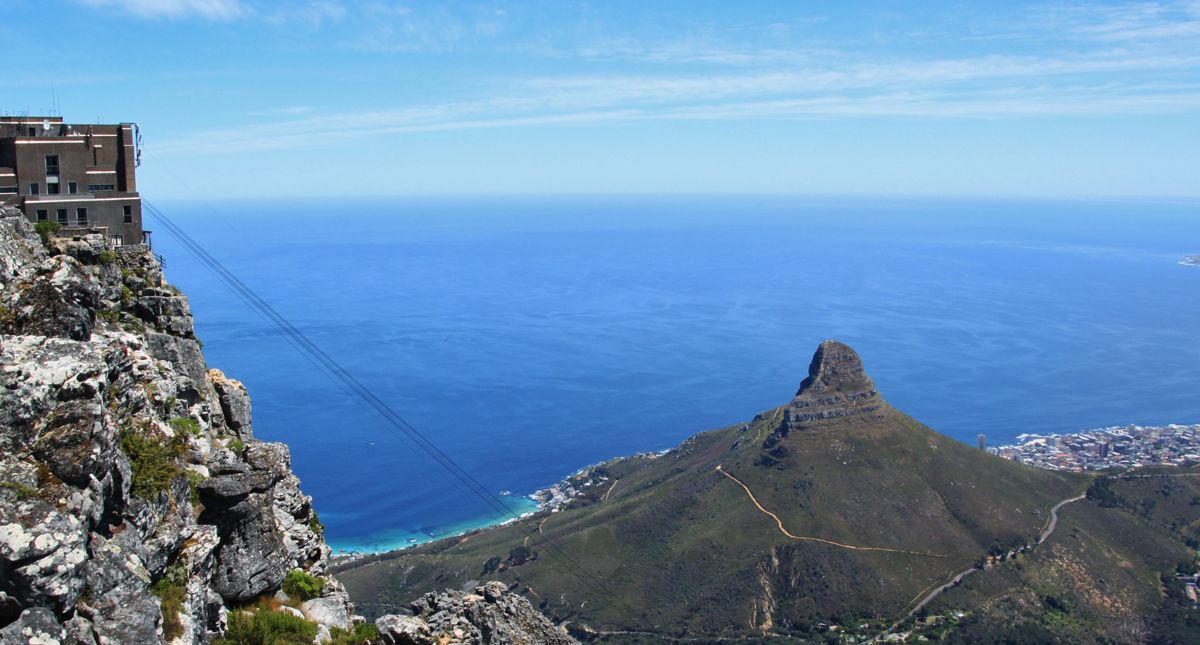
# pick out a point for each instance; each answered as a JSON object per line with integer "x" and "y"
{"x": 549, "y": 499}
{"x": 398, "y": 540}
{"x": 557, "y": 496}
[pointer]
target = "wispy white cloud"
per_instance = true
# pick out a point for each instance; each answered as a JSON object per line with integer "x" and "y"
{"x": 1138, "y": 58}
{"x": 211, "y": 9}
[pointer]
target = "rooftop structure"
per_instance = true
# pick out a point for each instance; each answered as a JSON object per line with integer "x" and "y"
{"x": 80, "y": 176}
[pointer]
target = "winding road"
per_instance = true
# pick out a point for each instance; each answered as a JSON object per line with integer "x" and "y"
{"x": 1046, "y": 532}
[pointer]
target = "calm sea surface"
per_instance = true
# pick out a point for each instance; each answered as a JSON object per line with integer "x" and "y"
{"x": 529, "y": 337}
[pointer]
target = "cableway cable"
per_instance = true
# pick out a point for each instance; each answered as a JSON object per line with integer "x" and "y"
{"x": 368, "y": 399}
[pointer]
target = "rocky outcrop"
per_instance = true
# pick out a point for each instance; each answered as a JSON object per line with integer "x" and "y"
{"x": 837, "y": 387}
{"x": 488, "y": 616}
{"x": 135, "y": 504}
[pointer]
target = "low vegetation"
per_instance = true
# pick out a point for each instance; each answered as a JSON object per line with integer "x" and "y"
{"x": 154, "y": 460}
{"x": 264, "y": 624}
{"x": 171, "y": 590}
{"x": 265, "y": 627}
{"x": 46, "y": 230}
{"x": 299, "y": 584}
{"x": 186, "y": 425}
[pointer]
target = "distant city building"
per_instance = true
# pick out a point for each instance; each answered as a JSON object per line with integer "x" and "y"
{"x": 81, "y": 176}
{"x": 982, "y": 440}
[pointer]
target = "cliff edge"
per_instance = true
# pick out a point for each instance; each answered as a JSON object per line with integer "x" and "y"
{"x": 136, "y": 506}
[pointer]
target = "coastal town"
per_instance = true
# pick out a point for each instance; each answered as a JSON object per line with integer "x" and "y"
{"x": 1118, "y": 447}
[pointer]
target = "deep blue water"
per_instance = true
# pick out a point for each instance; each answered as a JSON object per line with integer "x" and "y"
{"x": 529, "y": 337}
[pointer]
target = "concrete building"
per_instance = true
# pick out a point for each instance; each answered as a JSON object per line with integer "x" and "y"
{"x": 81, "y": 176}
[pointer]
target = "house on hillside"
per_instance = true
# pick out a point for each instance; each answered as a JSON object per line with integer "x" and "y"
{"x": 80, "y": 176}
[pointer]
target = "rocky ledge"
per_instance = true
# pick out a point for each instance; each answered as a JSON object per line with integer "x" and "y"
{"x": 136, "y": 505}
{"x": 489, "y": 616}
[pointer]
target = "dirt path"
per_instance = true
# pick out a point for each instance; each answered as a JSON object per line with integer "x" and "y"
{"x": 808, "y": 538}
{"x": 610, "y": 490}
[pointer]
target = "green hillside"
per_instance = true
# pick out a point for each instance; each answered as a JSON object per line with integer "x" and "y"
{"x": 1105, "y": 575}
{"x": 874, "y": 509}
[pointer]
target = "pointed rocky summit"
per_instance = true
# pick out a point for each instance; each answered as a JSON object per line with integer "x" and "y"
{"x": 837, "y": 386}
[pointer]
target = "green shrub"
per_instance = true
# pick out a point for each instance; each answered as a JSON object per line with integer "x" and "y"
{"x": 186, "y": 425}
{"x": 237, "y": 446}
{"x": 301, "y": 585}
{"x": 264, "y": 627}
{"x": 155, "y": 462}
{"x": 22, "y": 491}
{"x": 126, "y": 294}
{"x": 106, "y": 257}
{"x": 315, "y": 525}
{"x": 357, "y": 634}
{"x": 46, "y": 229}
{"x": 171, "y": 590}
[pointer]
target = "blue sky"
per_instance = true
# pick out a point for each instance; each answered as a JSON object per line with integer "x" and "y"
{"x": 334, "y": 97}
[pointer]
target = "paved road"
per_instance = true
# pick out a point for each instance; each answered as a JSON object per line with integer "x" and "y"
{"x": 1046, "y": 532}
{"x": 1053, "y": 523}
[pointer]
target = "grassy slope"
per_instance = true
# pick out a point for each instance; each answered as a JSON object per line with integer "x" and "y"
{"x": 678, "y": 548}
{"x": 1097, "y": 577}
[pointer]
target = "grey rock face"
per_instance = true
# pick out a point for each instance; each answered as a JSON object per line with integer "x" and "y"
{"x": 488, "y": 616}
{"x": 36, "y": 625}
{"x": 58, "y": 301}
{"x": 111, "y": 427}
{"x": 20, "y": 259}
{"x": 235, "y": 403}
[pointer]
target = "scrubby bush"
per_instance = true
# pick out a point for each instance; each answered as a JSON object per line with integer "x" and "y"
{"x": 238, "y": 446}
{"x": 171, "y": 590}
{"x": 46, "y": 229}
{"x": 154, "y": 461}
{"x": 357, "y": 634}
{"x": 301, "y": 585}
{"x": 186, "y": 425}
{"x": 315, "y": 525}
{"x": 265, "y": 627}
{"x": 106, "y": 257}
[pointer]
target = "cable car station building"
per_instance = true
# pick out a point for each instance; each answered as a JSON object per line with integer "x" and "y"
{"x": 80, "y": 176}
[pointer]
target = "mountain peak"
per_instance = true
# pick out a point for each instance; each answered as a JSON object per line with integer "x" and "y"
{"x": 837, "y": 386}
{"x": 835, "y": 367}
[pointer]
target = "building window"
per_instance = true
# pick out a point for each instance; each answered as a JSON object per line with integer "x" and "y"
{"x": 9, "y": 190}
{"x": 51, "y": 189}
{"x": 34, "y": 188}
{"x": 128, "y": 211}
{"x": 33, "y": 132}
{"x": 43, "y": 215}
{"x": 115, "y": 240}
{"x": 62, "y": 216}
{"x": 81, "y": 216}
{"x": 72, "y": 188}
{"x": 92, "y": 188}
{"x": 51, "y": 165}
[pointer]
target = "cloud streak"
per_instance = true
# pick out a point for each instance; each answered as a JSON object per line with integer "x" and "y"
{"x": 210, "y": 9}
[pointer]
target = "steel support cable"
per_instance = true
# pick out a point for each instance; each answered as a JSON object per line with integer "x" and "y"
{"x": 351, "y": 385}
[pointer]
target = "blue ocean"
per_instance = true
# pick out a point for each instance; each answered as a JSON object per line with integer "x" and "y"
{"x": 528, "y": 337}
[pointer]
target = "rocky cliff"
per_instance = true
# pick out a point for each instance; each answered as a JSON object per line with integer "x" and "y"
{"x": 135, "y": 504}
